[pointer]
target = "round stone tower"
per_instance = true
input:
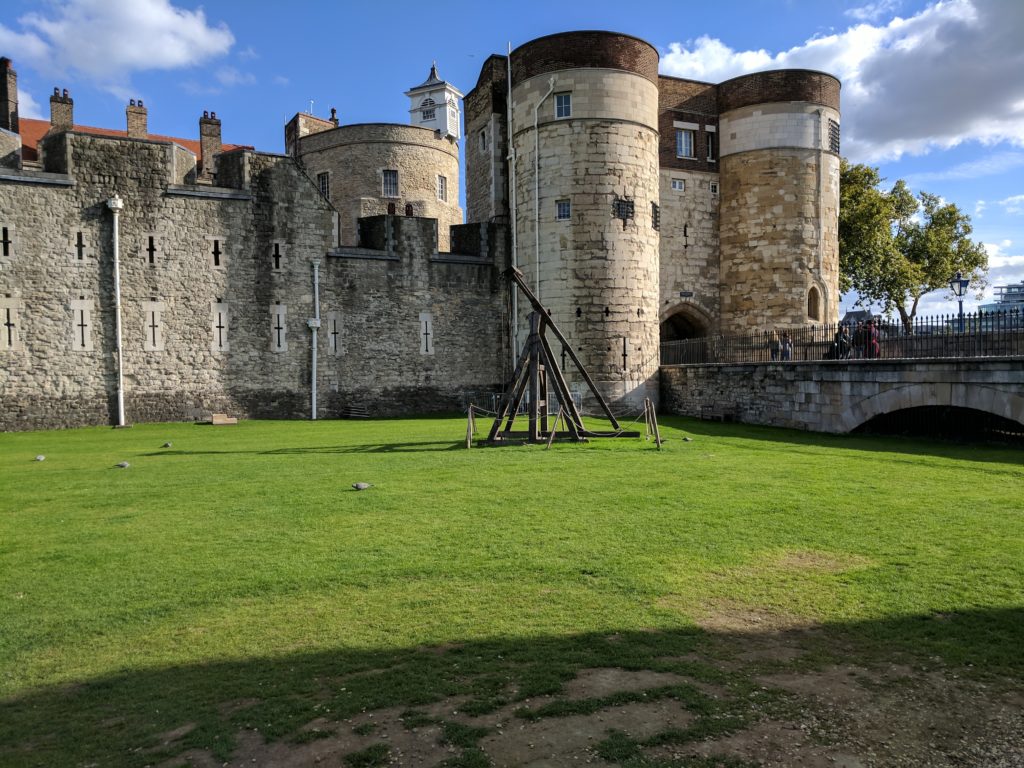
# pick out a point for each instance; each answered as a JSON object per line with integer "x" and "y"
{"x": 585, "y": 136}
{"x": 779, "y": 215}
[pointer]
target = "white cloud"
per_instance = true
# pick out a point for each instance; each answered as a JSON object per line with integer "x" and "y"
{"x": 281, "y": 80}
{"x": 229, "y": 76}
{"x": 29, "y": 107}
{"x": 979, "y": 208}
{"x": 105, "y": 41}
{"x": 1014, "y": 204}
{"x": 951, "y": 73}
{"x": 873, "y": 11}
{"x": 990, "y": 165}
{"x": 248, "y": 53}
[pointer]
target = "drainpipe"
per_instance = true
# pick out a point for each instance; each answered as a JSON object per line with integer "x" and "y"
{"x": 314, "y": 324}
{"x": 115, "y": 204}
{"x": 536, "y": 186}
{"x": 511, "y": 157}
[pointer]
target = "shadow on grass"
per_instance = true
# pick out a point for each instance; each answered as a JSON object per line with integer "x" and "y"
{"x": 423, "y": 446}
{"x": 891, "y": 444}
{"x": 124, "y": 719}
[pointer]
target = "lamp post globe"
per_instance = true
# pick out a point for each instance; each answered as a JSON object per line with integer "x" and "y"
{"x": 959, "y": 285}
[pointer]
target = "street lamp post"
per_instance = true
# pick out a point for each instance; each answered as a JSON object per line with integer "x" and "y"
{"x": 959, "y": 287}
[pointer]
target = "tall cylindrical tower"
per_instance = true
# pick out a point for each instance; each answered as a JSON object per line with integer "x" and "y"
{"x": 779, "y": 166}
{"x": 585, "y": 136}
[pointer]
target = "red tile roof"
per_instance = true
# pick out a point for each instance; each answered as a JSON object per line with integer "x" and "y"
{"x": 32, "y": 132}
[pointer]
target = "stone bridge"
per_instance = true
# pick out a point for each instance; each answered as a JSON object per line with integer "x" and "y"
{"x": 840, "y": 395}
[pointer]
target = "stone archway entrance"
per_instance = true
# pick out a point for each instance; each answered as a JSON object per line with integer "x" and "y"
{"x": 684, "y": 322}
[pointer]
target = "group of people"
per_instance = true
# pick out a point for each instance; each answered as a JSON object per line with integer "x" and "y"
{"x": 862, "y": 344}
{"x": 780, "y": 347}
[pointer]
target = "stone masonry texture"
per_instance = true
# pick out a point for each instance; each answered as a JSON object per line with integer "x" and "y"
{"x": 416, "y": 313}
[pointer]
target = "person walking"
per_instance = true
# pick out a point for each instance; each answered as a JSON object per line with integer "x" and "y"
{"x": 787, "y": 346}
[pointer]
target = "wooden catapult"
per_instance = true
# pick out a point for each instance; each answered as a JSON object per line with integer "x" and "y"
{"x": 536, "y": 371}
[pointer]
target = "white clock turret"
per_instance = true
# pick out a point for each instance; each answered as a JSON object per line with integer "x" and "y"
{"x": 434, "y": 104}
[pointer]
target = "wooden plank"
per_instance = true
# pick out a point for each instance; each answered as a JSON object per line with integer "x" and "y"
{"x": 517, "y": 276}
{"x": 554, "y": 429}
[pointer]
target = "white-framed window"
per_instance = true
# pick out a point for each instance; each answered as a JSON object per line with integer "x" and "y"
{"x": 563, "y": 210}
{"x": 563, "y": 105}
{"x": 389, "y": 183}
{"x": 442, "y": 189}
{"x": 427, "y": 115}
{"x": 323, "y": 183}
{"x": 709, "y": 138}
{"x": 685, "y": 141}
{"x": 714, "y": 187}
{"x": 679, "y": 185}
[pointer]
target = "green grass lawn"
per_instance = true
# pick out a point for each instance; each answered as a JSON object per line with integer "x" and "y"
{"x": 239, "y": 565}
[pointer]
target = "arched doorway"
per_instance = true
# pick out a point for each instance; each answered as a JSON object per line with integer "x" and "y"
{"x": 684, "y": 322}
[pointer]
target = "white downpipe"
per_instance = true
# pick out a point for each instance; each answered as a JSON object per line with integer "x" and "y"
{"x": 314, "y": 324}
{"x": 511, "y": 157}
{"x": 115, "y": 204}
{"x": 536, "y": 187}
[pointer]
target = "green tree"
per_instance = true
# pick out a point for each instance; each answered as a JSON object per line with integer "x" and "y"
{"x": 894, "y": 247}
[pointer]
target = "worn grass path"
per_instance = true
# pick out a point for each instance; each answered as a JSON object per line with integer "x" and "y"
{"x": 238, "y": 564}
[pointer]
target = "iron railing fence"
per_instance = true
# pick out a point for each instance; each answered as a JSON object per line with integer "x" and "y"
{"x": 976, "y": 334}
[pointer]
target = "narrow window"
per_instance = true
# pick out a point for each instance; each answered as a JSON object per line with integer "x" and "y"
{"x": 483, "y": 139}
{"x": 563, "y": 210}
{"x": 323, "y": 182}
{"x": 655, "y": 216}
{"x": 408, "y": 209}
{"x": 334, "y": 333}
{"x": 153, "y": 326}
{"x": 9, "y": 323}
{"x": 710, "y": 139}
{"x": 563, "y": 105}
{"x": 679, "y": 185}
{"x": 276, "y": 256}
{"x": 714, "y": 187}
{"x": 833, "y": 136}
{"x": 685, "y": 142}
{"x": 278, "y": 328}
{"x": 390, "y": 184}
{"x": 813, "y": 304}
{"x": 6, "y": 241}
{"x": 426, "y": 333}
{"x": 151, "y": 250}
{"x": 81, "y": 324}
{"x": 216, "y": 247}
{"x": 221, "y": 322}
{"x": 442, "y": 189}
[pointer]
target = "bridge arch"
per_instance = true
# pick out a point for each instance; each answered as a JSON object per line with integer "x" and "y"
{"x": 685, "y": 320}
{"x": 977, "y": 397}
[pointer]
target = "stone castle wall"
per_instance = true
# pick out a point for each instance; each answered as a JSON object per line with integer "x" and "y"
{"x": 838, "y": 396}
{"x": 356, "y": 156}
{"x": 779, "y": 201}
{"x": 266, "y": 229}
{"x": 689, "y": 250}
{"x": 485, "y": 115}
{"x": 598, "y": 275}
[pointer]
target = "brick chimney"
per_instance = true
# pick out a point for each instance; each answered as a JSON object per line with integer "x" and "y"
{"x": 8, "y": 96}
{"x": 209, "y": 145}
{"x": 137, "y": 120}
{"x": 62, "y": 111}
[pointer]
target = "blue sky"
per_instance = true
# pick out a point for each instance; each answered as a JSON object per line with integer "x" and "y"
{"x": 933, "y": 92}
